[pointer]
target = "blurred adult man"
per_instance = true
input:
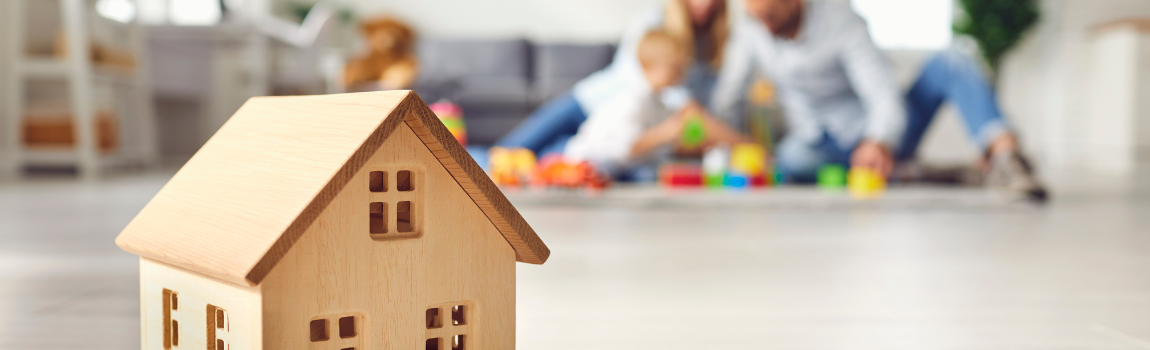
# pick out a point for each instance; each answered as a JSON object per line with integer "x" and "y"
{"x": 841, "y": 99}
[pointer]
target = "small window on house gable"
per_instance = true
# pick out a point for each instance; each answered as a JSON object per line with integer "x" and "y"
{"x": 378, "y": 216}
{"x": 403, "y": 181}
{"x": 395, "y": 202}
{"x": 377, "y": 181}
{"x": 403, "y": 217}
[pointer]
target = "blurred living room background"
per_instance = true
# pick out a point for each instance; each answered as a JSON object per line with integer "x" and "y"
{"x": 175, "y": 70}
{"x": 87, "y": 139}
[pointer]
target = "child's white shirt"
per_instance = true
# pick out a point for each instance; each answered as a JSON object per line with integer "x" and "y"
{"x": 609, "y": 134}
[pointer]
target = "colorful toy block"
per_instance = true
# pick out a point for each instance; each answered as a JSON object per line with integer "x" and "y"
{"x": 865, "y": 183}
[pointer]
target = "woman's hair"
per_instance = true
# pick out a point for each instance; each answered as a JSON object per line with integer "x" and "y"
{"x": 677, "y": 22}
{"x": 660, "y": 46}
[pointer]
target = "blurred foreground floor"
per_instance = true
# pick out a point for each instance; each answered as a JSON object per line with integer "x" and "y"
{"x": 791, "y": 268}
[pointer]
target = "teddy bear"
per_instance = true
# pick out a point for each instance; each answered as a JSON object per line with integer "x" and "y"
{"x": 389, "y": 62}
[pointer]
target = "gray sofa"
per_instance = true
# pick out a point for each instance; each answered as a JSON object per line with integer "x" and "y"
{"x": 499, "y": 82}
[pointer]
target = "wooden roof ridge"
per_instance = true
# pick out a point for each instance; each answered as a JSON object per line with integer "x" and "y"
{"x": 255, "y": 241}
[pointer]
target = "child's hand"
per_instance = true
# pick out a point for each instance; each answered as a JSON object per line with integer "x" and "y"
{"x": 719, "y": 132}
{"x": 667, "y": 131}
{"x": 664, "y": 133}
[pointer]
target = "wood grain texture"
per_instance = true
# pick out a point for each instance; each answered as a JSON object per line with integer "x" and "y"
{"x": 247, "y": 196}
{"x": 529, "y": 248}
{"x": 243, "y": 330}
{"x": 337, "y": 268}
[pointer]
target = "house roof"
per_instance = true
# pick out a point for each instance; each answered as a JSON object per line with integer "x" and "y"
{"x": 241, "y": 202}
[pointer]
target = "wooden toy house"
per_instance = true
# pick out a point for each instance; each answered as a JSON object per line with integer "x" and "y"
{"x": 351, "y": 221}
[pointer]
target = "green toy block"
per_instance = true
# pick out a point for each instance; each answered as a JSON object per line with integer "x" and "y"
{"x": 832, "y": 176}
{"x": 713, "y": 180}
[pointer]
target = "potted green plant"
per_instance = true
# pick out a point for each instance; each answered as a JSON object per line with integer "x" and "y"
{"x": 996, "y": 25}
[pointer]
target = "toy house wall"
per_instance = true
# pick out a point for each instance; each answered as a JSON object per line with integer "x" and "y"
{"x": 337, "y": 269}
{"x": 240, "y": 304}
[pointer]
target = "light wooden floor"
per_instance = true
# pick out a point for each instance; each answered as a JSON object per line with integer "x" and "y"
{"x": 785, "y": 269}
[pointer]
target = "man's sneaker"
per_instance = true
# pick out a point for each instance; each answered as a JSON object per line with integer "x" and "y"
{"x": 1012, "y": 172}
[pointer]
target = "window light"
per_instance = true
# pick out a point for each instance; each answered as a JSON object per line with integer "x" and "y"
{"x": 908, "y": 24}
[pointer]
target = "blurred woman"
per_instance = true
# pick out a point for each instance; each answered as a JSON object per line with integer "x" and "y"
{"x": 700, "y": 24}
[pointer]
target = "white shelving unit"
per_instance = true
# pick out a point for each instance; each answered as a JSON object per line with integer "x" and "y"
{"x": 83, "y": 77}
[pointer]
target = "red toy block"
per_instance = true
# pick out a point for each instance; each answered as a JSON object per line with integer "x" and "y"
{"x": 681, "y": 175}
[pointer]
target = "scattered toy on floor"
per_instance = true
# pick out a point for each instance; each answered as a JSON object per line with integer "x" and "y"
{"x": 511, "y": 166}
{"x": 739, "y": 167}
{"x": 681, "y": 175}
{"x": 748, "y": 166}
{"x": 715, "y": 163}
{"x": 516, "y": 167}
{"x": 865, "y": 183}
{"x": 832, "y": 177}
{"x": 554, "y": 171}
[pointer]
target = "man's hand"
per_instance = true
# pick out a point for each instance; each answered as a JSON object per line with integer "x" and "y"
{"x": 873, "y": 155}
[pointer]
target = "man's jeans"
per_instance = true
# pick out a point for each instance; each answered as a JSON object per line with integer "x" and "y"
{"x": 947, "y": 76}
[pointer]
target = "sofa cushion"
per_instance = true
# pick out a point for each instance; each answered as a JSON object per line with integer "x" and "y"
{"x": 497, "y": 83}
{"x": 559, "y": 66}
{"x": 477, "y": 74}
{"x": 449, "y": 59}
{"x": 493, "y": 90}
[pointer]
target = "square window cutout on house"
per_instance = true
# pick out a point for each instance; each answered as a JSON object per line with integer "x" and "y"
{"x": 347, "y": 327}
{"x": 170, "y": 304}
{"x": 319, "y": 330}
{"x": 403, "y": 217}
{"x": 377, "y": 216}
{"x": 458, "y": 315}
{"x": 377, "y": 181}
{"x": 458, "y": 342}
{"x": 433, "y": 344}
{"x": 433, "y": 318}
{"x": 403, "y": 181}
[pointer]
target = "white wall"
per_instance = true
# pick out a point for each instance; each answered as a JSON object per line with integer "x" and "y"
{"x": 545, "y": 20}
{"x": 1111, "y": 100}
{"x": 1046, "y": 81}
{"x": 5, "y": 66}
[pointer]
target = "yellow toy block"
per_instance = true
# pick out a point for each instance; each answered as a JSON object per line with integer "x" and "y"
{"x": 865, "y": 183}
